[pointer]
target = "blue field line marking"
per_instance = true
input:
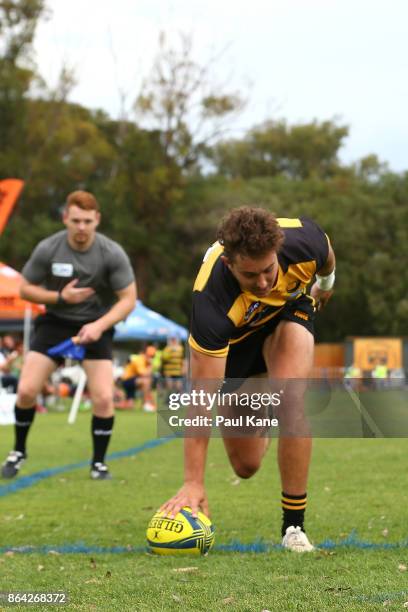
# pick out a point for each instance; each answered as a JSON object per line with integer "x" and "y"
{"x": 28, "y": 481}
{"x": 380, "y": 597}
{"x": 79, "y": 547}
{"x": 352, "y": 541}
{"x": 259, "y": 546}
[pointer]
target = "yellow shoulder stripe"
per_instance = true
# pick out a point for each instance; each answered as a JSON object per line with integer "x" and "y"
{"x": 237, "y": 311}
{"x": 284, "y": 222}
{"x": 210, "y": 258}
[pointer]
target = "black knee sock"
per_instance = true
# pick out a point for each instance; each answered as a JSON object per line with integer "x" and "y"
{"x": 24, "y": 420}
{"x": 101, "y": 434}
{"x": 293, "y": 507}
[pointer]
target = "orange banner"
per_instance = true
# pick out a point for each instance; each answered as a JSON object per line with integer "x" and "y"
{"x": 10, "y": 190}
{"x": 11, "y": 304}
{"x": 370, "y": 352}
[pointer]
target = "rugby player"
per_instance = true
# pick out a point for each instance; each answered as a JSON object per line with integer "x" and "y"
{"x": 251, "y": 315}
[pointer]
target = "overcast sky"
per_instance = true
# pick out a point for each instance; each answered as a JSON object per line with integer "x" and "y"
{"x": 295, "y": 59}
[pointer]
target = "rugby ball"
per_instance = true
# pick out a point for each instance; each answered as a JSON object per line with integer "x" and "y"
{"x": 182, "y": 534}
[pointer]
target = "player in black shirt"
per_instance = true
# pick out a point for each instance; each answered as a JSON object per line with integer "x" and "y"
{"x": 252, "y": 316}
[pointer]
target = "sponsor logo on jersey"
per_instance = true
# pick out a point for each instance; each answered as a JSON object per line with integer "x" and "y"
{"x": 251, "y": 310}
{"x": 264, "y": 312}
{"x": 64, "y": 270}
{"x": 301, "y": 315}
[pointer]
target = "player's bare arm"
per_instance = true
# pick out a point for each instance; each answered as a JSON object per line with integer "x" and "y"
{"x": 91, "y": 332}
{"x": 192, "y": 493}
{"x": 70, "y": 293}
{"x": 322, "y": 289}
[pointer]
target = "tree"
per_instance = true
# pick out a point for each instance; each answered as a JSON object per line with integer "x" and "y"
{"x": 51, "y": 144}
{"x": 178, "y": 115}
{"x": 64, "y": 149}
{"x": 18, "y": 20}
{"x": 180, "y": 101}
{"x": 299, "y": 151}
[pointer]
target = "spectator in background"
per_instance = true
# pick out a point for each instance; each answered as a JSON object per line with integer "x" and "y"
{"x": 380, "y": 374}
{"x": 10, "y": 354}
{"x": 138, "y": 375}
{"x": 173, "y": 364}
{"x": 352, "y": 377}
{"x": 157, "y": 367}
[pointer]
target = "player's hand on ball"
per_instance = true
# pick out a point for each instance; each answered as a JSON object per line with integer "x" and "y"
{"x": 182, "y": 535}
{"x": 190, "y": 494}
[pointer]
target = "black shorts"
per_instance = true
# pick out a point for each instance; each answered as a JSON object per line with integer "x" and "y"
{"x": 245, "y": 359}
{"x": 50, "y": 330}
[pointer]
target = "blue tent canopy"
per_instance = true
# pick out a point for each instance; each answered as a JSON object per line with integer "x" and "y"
{"x": 145, "y": 324}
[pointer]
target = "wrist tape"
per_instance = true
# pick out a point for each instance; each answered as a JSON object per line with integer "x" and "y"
{"x": 325, "y": 283}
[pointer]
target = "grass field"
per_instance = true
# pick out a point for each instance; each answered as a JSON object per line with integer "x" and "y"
{"x": 66, "y": 532}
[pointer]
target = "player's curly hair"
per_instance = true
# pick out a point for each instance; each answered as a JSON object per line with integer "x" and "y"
{"x": 83, "y": 199}
{"x": 249, "y": 231}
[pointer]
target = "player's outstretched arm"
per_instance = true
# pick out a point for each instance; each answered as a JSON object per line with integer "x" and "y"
{"x": 322, "y": 289}
{"x": 207, "y": 372}
{"x": 192, "y": 493}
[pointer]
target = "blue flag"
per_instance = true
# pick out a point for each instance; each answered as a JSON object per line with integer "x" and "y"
{"x": 67, "y": 349}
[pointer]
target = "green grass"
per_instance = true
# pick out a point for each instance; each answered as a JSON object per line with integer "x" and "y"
{"x": 355, "y": 485}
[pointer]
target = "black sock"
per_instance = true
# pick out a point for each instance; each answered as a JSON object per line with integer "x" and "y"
{"x": 24, "y": 420}
{"x": 101, "y": 434}
{"x": 293, "y": 507}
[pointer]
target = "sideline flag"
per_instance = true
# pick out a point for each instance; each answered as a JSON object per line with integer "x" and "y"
{"x": 69, "y": 349}
{"x": 10, "y": 190}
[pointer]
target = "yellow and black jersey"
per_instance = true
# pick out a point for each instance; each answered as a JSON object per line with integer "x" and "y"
{"x": 172, "y": 360}
{"x": 223, "y": 314}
